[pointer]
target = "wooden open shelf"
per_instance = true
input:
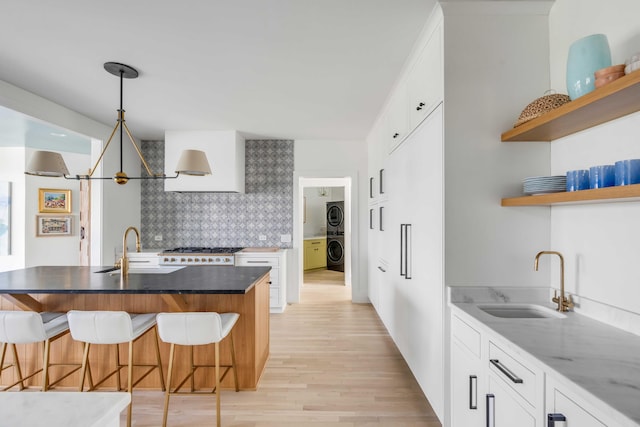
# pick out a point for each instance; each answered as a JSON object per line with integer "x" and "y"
{"x": 617, "y": 99}
{"x": 625, "y": 193}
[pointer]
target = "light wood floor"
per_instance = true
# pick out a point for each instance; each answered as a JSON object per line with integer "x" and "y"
{"x": 323, "y": 277}
{"x": 332, "y": 364}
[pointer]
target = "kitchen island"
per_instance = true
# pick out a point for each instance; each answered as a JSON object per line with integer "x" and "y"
{"x": 243, "y": 290}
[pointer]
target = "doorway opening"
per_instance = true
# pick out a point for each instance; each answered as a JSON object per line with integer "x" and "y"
{"x": 323, "y": 235}
{"x": 324, "y": 238}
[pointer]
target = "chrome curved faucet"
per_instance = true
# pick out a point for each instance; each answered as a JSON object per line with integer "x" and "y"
{"x": 564, "y": 304}
{"x": 124, "y": 261}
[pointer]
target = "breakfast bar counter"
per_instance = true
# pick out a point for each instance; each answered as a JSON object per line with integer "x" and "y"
{"x": 243, "y": 290}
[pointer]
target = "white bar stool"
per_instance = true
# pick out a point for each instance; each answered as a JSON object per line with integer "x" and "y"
{"x": 27, "y": 327}
{"x": 114, "y": 327}
{"x": 191, "y": 329}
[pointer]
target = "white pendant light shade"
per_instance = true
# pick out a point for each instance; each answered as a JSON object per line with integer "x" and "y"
{"x": 193, "y": 162}
{"x": 47, "y": 163}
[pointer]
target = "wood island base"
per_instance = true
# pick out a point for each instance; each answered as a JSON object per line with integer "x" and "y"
{"x": 251, "y": 336}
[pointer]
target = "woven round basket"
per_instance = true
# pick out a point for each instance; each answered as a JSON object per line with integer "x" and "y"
{"x": 541, "y": 106}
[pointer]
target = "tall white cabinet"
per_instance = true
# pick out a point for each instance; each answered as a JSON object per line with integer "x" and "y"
{"x": 416, "y": 236}
{"x": 438, "y": 140}
{"x": 405, "y": 213}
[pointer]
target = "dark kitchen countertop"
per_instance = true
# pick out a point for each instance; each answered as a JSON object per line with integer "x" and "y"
{"x": 85, "y": 280}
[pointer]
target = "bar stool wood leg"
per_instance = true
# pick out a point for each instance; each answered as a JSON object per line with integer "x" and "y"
{"x": 85, "y": 364}
{"x": 118, "y": 383}
{"x": 130, "y": 382}
{"x": 168, "y": 391}
{"x": 16, "y": 363}
{"x": 2, "y": 354}
{"x": 157, "y": 344}
{"x": 233, "y": 362}
{"x": 45, "y": 365}
{"x": 217, "y": 370}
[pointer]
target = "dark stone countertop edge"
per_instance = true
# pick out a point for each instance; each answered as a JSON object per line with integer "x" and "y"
{"x": 141, "y": 284}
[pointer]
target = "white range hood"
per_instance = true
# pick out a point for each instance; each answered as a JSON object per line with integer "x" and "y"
{"x": 225, "y": 152}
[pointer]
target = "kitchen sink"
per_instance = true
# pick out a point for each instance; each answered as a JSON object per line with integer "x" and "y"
{"x": 520, "y": 311}
{"x": 150, "y": 270}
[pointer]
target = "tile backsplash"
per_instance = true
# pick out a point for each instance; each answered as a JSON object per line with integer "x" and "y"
{"x": 223, "y": 219}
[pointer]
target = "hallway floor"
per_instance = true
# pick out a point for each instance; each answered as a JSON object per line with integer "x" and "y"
{"x": 332, "y": 363}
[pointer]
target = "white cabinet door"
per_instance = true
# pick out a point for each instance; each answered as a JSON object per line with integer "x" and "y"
{"x": 505, "y": 408}
{"x": 397, "y": 118}
{"x": 578, "y": 413}
{"x": 425, "y": 82}
{"x": 415, "y": 219}
{"x": 278, "y": 274}
{"x": 467, "y": 388}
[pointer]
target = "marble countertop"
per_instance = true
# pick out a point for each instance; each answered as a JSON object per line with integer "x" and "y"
{"x": 260, "y": 250}
{"x": 62, "y": 409}
{"x": 86, "y": 280}
{"x": 315, "y": 237}
{"x": 601, "y": 359}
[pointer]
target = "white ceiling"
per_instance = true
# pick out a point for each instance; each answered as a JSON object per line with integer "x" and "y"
{"x": 297, "y": 69}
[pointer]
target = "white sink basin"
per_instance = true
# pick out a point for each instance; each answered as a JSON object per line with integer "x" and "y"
{"x": 150, "y": 270}
{"x": 520, "y": 311}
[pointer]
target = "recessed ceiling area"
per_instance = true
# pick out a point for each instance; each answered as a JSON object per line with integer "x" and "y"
{"x": 295, "y": 69}
{"x": 20, "y": 130}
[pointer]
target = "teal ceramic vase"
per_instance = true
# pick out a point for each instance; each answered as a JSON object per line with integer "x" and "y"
{"x": 586, "y": 56}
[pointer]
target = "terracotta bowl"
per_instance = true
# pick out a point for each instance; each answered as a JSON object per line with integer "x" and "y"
{"x": 614, "y": 69}
{"x": 601, "y": 81}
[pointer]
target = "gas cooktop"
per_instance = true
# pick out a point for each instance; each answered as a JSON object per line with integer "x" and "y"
{"x": 198, "y": 256}
{"x": 201, "y": 250}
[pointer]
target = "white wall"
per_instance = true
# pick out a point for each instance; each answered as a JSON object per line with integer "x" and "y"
{"x": 12, "y": 170}
{"x": 333, "y": 158}
{"x": 315, "y": 212}
{"x": 119, "y": 206}
{"x": 58, "y": 250}
{"x": 600, "y": 242}
{"x": 120, "y": 203}
{"x": 496, "y": 62}
{"x": 316, "y": 209}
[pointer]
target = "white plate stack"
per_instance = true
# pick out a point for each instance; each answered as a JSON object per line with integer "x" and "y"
{"x": 544, "y": 184}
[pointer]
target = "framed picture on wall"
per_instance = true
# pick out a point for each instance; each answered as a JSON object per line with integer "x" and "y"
{"x": 50, "y": 226}
{"x": 54, "y": 201}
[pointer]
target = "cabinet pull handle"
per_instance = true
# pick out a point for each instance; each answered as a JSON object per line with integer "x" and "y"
{"x": 395, "y": 135}
{"x": 370, "y": 219}
{"x": 408, "y": 261}
{"x": 382, "y": 269}
{"x": 473, "y": 392}
{"x": 315, "y": 243}
{"x": 556, "y": 420}
{"x": 381, "y": 181}
{"x": 371, "y": 187}
{"x": 380, "y": 227}
{"x": 256, "y": 262}
{"x": 402, "y": 254}
{"x": 419, "y": 107}
{"x": 513, "y": 377}
{"x": 491, "y": 410}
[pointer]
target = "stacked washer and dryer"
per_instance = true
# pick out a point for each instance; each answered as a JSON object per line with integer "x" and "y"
{"x": 335, "y": 236}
